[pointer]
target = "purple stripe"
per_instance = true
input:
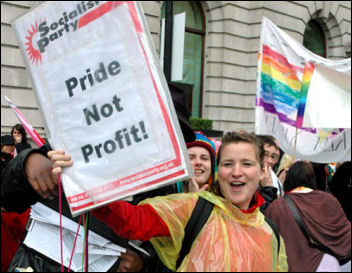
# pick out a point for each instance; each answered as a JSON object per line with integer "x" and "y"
{"x": 270, "y": 108}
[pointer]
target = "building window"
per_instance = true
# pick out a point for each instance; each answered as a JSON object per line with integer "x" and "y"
{"x": 193, "y": 50}
{"x": 314, "y": 38}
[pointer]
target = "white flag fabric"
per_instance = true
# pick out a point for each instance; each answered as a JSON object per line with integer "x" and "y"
{"x": 328, "y": 98}
{"x": 104, "y": 99}
{"x": 281, "y": 64}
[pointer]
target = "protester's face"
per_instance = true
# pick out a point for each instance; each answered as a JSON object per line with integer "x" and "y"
{"x": 271, "y": 155}
{"x": 16, "y": 133}
{"x": 239, "y": 173}
{"x": 201, "y": 163}
{"x": 8, "y": 149}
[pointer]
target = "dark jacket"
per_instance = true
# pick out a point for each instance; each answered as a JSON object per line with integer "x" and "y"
{"x": 269, "y": 194}
{"x": 5, "y": 159}
{"x": 22, "y": 146}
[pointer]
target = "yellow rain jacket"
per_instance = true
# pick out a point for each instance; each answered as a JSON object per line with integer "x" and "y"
{"x": 231, "y": 240}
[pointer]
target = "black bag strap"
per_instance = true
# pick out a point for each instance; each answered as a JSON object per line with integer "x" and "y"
{"x": 276, "y": 232}
{"x": 303, "y": 228}
{"x": 199, "y": 217}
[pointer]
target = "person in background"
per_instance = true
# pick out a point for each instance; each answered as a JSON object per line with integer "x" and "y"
{"x": 236, "y": 236}
{"x": 321, "y": 175}
{"x": 280, "y": 154}
{"x": 340, "y": 186}
{"x": 285, "y": 163}
{"x": 7, "y": 150}
{"x": 12, "y": 223}
{"x": 20, "y": 136}
{"x": 323, "y": 217}
{"x": 270, "y": 159}
{"x": 202, "y": 153}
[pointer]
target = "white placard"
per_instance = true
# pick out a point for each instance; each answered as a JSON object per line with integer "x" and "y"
{"x": 104, "y": 99}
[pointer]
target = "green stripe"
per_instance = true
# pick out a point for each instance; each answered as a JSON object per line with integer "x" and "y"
{"x": 279, "y": 86}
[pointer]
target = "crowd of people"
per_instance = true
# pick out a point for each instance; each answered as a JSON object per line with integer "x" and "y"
{"x": 257, "y": 219}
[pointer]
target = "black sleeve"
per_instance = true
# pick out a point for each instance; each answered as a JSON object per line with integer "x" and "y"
{"x": 22, "y": 146}
{"x": 16, "y": 192}
{"x": 269, "y": 194}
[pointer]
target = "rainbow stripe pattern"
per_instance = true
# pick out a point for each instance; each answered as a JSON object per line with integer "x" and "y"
{"x": 279, "y": 85}
{"x": 307, "y": 76}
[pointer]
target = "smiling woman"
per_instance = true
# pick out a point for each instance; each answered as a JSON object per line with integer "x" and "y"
{"x": 240, "y": 168}
{"x": 202, "y": 153}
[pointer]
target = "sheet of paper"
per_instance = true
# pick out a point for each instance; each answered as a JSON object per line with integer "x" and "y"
{"x": 45, "y": 239}
{"x": 43, "y": 236}
{"x": 45, "y": 214}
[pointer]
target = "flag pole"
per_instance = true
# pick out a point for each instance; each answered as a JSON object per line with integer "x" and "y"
{"x": 294, "y": 146}
{"x": 26, "y": 125}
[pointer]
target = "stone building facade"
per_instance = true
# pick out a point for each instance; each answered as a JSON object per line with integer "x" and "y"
{"x": 228, "y": 34}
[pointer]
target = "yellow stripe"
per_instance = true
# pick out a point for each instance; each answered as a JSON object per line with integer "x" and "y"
{"x": 279, "y": 76}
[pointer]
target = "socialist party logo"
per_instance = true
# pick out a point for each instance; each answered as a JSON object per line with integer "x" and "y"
{"x": 43, "y": 33}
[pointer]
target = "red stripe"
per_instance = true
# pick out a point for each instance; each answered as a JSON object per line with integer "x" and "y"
{"x": 107, "y": 7}
{"x": 35, "y": 132}
{"x": 127, "y": 191}
{"x": 166, "y": 117}
{"x": 280, "y": 58}
{"x": 123, "y": 181}
{"x": 95, "y": 14}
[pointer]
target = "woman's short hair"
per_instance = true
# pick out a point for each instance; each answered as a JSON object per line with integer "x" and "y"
{"x": 238, "y": 137}
{"x": 301, "y": 173}
{"x": 242, "y": 136}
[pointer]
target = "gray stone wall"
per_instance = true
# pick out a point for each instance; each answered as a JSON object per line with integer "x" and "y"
{"x": 230, "y": 61}
{"x": 15, "y": 81}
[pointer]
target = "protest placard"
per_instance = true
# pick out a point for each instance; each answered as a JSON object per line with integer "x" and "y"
{"x": 104, "y": 99}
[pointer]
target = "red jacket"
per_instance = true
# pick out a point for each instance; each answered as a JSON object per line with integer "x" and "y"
{"x": 13, "y": 226}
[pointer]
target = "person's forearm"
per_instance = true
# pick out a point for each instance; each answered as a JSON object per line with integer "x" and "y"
{"x": 16, "y": 193}
{"x": 132, "y": 222}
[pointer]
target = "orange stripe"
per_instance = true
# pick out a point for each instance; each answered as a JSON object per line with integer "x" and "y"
{"x": 288, "y": 73}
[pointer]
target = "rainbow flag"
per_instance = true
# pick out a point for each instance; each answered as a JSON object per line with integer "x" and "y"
{"x": 284, "y": 75}
{"x": 307, "y": 76}
{"x": 279, "y": 86}
{"x": 26, "y": 125}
